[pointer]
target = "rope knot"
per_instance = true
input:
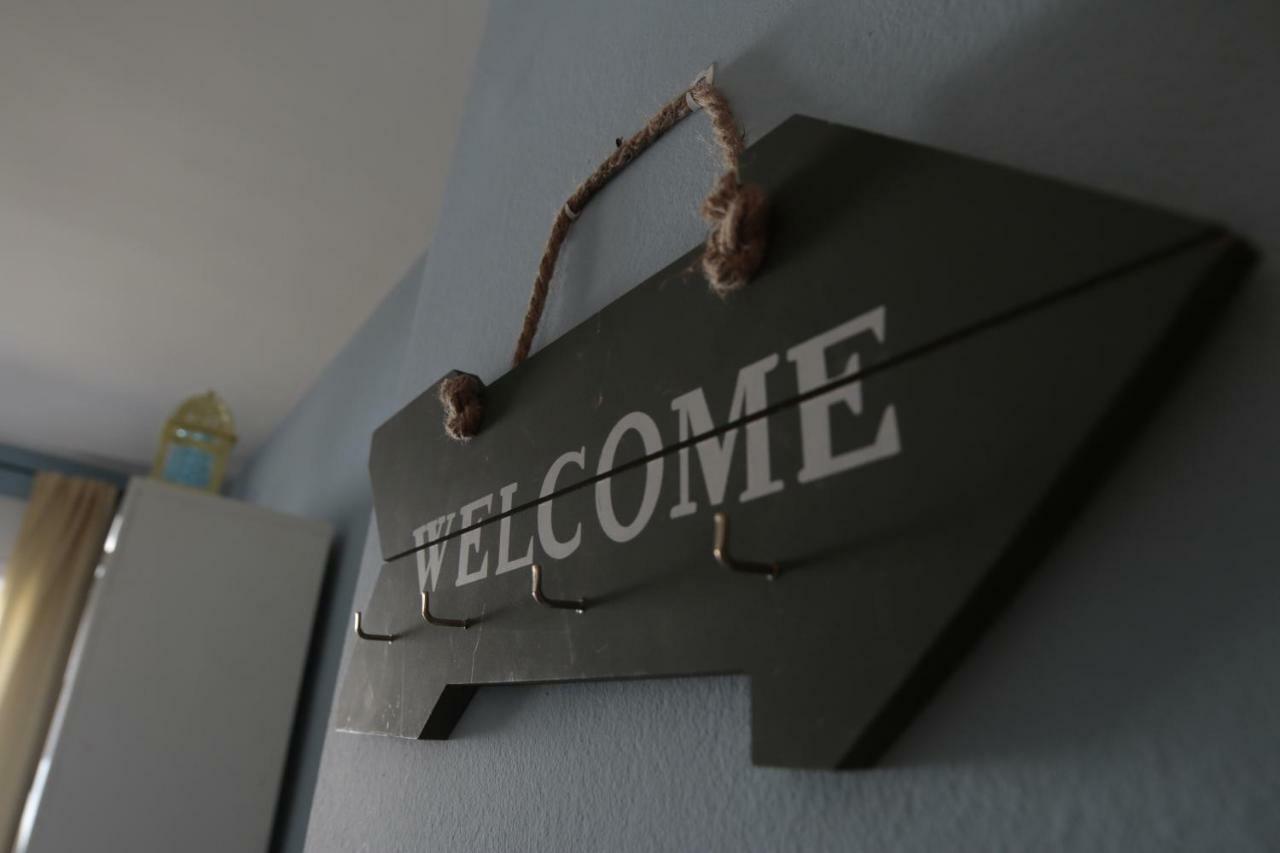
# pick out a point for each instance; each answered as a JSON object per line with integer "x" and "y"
{"x": 462, "y": 395}
{"x": 738, "y": 215}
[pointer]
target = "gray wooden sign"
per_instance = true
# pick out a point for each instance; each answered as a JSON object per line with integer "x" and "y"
{"x": 903, "y": 409}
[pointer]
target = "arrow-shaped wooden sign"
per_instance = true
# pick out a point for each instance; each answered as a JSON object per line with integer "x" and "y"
{"x": 934, "y": 368}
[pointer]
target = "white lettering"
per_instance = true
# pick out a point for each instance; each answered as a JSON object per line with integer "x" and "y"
{"x": 815, "y": 414}
{"x": 556, "y": 549}
{"x": 648, "y": 432}
{"x": 749, "y": 396}
{"x": 470, "y": 541}
{"x": 505, "y": 563}
{"x": 429, "y": 559}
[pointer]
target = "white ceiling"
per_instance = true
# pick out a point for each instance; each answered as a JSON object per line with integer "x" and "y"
{"x": 201, "y": 195}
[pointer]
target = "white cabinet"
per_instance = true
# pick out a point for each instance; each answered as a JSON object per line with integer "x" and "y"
{"x": 174, "y": 725}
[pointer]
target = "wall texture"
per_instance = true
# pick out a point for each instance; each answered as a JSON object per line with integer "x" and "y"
{"x": 1128, "y": 699}
{"x": 314, "y": 466}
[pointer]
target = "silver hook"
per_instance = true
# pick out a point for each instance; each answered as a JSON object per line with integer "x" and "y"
{"x": 440, "y": 620}
{"x": 720, "y": 550}
{"x": 562, "y": 603}
{"x": 360, "y": 632}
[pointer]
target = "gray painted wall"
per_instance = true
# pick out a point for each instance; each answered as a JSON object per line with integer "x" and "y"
{"x": 1128, "y": 700}
{"x": 314, "y": 466}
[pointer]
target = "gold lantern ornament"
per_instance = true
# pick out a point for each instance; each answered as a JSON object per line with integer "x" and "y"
{"x": 196, "y": 443}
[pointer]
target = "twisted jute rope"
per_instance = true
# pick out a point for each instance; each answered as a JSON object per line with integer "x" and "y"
{"x": 736, "y": 214}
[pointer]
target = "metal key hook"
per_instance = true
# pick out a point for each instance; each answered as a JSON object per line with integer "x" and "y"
{"x": 360, "y": 632}
{"x": 720, "y": 550}
{"x": 440, "y": 620}
{"x": 577, "y": 604}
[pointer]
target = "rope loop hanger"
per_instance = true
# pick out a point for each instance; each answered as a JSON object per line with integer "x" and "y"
{"x": 735, "y": 213}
